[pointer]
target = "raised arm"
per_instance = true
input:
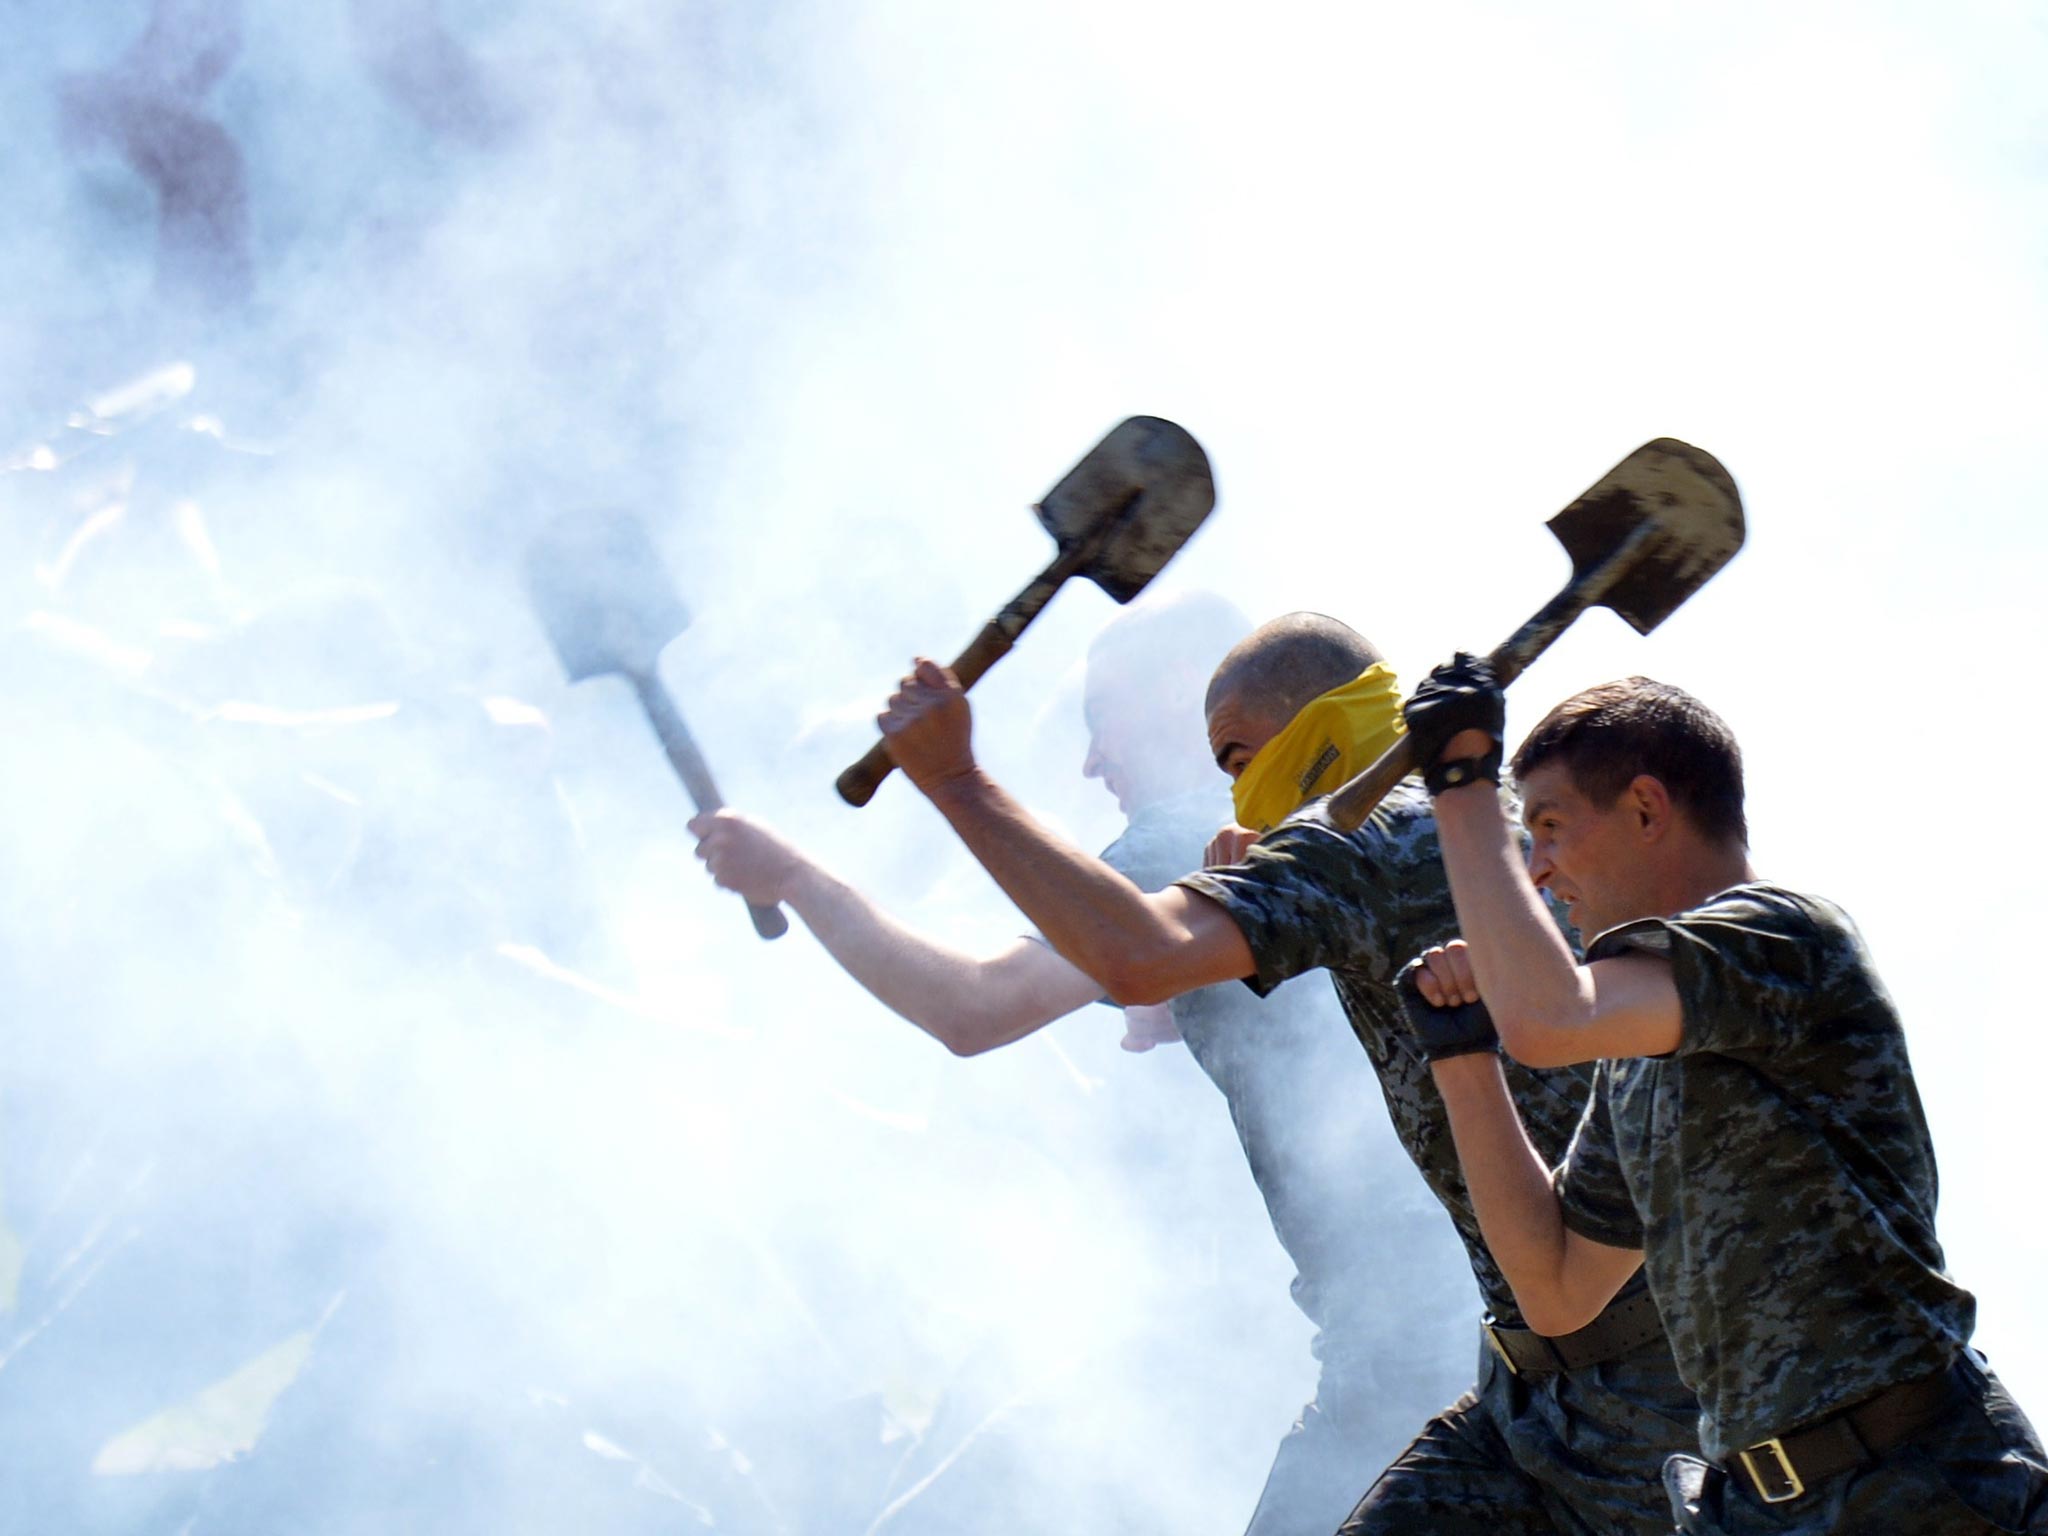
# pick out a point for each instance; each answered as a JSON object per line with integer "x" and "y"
{"x": 1141, "y": 948}
{"x": 968, "y": 1003}
{"x": 1550, "y": 1010}
{"x": 1561, "y": 1278}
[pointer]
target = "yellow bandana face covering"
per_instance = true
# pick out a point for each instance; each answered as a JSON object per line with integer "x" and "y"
{"x": 1335, "y": 735}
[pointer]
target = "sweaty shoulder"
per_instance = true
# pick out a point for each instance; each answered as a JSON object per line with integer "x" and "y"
{"x": 1308, "y": 896}
{"x": 1757, "y": 967}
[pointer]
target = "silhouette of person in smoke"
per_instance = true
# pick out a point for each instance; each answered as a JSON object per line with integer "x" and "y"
{"x": 1300, "y": 1092}
{"x": 151, "y": 107}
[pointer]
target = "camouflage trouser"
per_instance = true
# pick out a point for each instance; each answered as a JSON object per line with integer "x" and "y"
{"x": 1977, "y": 1469}
{"x": 1575, "y": 1454}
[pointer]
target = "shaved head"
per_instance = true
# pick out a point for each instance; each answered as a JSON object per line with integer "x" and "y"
{"x": 1281, "y": 665}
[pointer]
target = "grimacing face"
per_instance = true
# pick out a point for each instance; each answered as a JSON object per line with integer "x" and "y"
{"x": 1587, "y": 856}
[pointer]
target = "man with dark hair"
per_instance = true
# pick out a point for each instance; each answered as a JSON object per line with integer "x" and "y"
{"x": 1754, "y": 1140}
{"x": 1608, "y": 735}
{"x": 1298, "y": 1091}
{"x": 1563, "y": 1433}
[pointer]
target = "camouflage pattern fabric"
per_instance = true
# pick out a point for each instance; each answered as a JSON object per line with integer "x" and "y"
{"x": 1780, "y": 1165}
{"x": 1568, "y": 1453}
{"x": 1976, "y": 1470}
{"x": 1361, "y": 905}
{"x": 1564, "y": 1455}
{"x": 1376, "y": 1270}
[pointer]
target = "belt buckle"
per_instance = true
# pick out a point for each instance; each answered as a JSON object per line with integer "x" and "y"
{"x": 1493, "y": 1338}
{"x": 1793, "y": 1485}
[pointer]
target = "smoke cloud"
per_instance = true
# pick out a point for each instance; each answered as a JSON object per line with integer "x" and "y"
{"x": 397, "y": 1130}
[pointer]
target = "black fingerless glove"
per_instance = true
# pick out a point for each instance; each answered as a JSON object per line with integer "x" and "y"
{"x": 1461, "y": 1030}
{"x": 1460, "y": 695}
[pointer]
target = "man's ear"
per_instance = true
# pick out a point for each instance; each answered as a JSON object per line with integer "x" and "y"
{"x": 1649, "y": 802}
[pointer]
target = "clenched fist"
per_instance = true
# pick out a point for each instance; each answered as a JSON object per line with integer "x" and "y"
{"x": 1440, "y": 995}
{"x": 1148, "y": 1026}
{"x": 929, "y": 727}
{"x": 1228, "y": 847}
{"x": 744, "y": 855}
{"x": 1444, "y": 975}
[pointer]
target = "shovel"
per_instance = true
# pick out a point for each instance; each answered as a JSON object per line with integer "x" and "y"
{"x": 1642, "y": 540}
{"x": 601, "y": 594}
{"x": 1118, "y": 517}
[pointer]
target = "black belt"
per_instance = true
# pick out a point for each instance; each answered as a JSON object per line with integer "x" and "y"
{"x": 1781, "y": 1468}
{"x": 1623, "y": 1328}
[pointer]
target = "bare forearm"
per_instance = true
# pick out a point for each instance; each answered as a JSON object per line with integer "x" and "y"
{"x": 1087, "y": 911}
{"x": 1550, "y": 1010}
{"x": 968, "y": 1003}
{"x": 1527, "y": 973}
{"x": 1511, "y": 1193}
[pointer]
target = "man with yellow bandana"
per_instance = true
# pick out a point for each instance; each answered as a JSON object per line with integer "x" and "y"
{"x": 1560, "y": 1436}
{"x": 1299, "y": 1093}
{"x": 1332, "y": 736}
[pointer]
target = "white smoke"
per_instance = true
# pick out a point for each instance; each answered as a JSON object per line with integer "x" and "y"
{"x": 384, "y": 1077}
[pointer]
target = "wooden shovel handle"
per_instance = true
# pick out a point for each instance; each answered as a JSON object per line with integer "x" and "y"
{"x": 1351, "y": 804}
{"x": 857, "y": 785}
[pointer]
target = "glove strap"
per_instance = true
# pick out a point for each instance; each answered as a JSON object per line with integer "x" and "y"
{"x": 1460, "y": 771}
{"x": 1470, "y": 1046}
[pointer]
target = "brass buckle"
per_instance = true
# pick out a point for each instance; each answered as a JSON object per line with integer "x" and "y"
{"x": 1795, "y": 1487}
{"x": 1493, "y": 1338}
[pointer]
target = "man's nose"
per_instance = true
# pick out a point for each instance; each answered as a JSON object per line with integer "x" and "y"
{"x": 1540, "y": 867}
{"x": 1091, "y": 765}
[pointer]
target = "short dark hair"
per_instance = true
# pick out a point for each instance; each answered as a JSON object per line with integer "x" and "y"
{"x": 1287, "y": 661}
{"x": 1608, "y": 735}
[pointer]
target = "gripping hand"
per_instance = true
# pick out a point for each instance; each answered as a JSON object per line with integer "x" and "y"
{"x": 1459, "y": 696}
{"x": 1447, "y": 1030}
{"x": 928, "y": 726}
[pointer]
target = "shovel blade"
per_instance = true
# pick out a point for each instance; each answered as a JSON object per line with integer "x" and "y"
{"x": 1134, "y": 500}
{"x": 602, "y": 594}
{"x": 1695, "y": 510}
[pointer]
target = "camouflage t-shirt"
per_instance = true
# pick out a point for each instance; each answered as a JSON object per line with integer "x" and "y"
{"x": 1341, "y": 1197}
{"x": 1779, "y": 1166}
{"x": 1361, "y": 905}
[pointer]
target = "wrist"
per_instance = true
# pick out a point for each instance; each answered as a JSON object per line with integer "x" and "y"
{"x": 1451, "y": 773}
{"x": 958, "y": 788}
{"x": 806, "y": 886}
{"x": 1474, "y": 809}
{"x": 1466, "y": 1069}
